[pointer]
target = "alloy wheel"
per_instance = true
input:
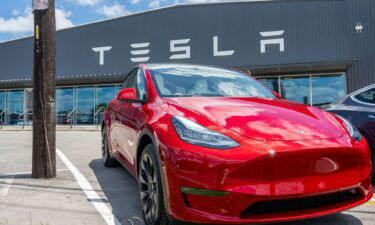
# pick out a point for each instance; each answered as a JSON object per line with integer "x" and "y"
{"x": 148, "y": 189}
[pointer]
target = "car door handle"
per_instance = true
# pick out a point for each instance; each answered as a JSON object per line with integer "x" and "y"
{"x": 371, "y": 116}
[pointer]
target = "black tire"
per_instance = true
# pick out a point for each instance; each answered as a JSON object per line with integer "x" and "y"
{"x": 151, "y": 188}
{"x": 107, "y": 158}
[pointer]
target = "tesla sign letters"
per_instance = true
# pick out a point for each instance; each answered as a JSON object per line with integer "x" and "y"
{"x": 181, "y": 49}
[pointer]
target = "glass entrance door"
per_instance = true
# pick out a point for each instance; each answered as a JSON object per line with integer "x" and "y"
{"x": 85, "y": 105}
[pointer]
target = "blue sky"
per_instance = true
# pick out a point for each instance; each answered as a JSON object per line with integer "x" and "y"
{"x": 16, "y": 19}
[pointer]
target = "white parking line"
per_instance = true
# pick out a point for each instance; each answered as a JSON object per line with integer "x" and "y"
{"x": 92, "y": 196}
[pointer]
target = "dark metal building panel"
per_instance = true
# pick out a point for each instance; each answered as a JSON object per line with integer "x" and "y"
{"x": 312, "y": 32}
{"x": 16, "y": 60}
{"x": 363, "y": 73}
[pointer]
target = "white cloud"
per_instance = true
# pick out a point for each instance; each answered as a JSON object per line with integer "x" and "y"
{"x": 15, "y": 12}
{"x": 135, "y": 1}
{"x": 24, "y": 23}
{"x": 154, "y": 4}
{"x": 18, "y": 24}
{"x": 87, "y": 2}
{"x": 115, "y": 10}
{"x": 62, "y": 19}
{"x": 158, "y": 3}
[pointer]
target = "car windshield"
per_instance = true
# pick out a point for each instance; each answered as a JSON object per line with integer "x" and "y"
{"x": 189, "y": 81}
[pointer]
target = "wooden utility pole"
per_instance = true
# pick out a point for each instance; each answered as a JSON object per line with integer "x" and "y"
{"x": 44, "y": 121}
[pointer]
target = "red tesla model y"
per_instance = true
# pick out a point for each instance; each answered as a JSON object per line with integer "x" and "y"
{"x": 213, "y": 146}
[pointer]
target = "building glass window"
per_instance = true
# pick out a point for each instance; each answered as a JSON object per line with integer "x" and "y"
{"x": 27, "y": 117}
{"x": 64, "y": 105}
{"x": 15, "y": 103}
{"x": 327, "y": 89}
{"x": 85, "y": 105}
{"x": 103, "y": 94}
{"x": 78, "y": 105}
{"x": 310, "y": 89}
{"x": 119, "y": 87}
{"x": 296, "y": 89}
{"x": 2, "y": 106}
{"x": 271, "y": 83}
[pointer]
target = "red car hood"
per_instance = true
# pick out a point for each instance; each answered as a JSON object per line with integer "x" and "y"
{"x": 264, "y": 119}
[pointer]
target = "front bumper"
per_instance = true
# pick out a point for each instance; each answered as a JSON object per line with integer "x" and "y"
{"x": 258, "y": 172}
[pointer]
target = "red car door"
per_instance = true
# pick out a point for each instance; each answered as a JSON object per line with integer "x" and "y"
{"x": 130, "y": 118}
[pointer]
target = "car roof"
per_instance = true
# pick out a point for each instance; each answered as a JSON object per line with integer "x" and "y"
{"x": 371, "y": 86}
{"x": 153, "y": 66}
{"x": 363, "y": 89}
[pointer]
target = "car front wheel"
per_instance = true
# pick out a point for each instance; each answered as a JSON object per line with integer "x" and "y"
{"x": 151, "y": 189}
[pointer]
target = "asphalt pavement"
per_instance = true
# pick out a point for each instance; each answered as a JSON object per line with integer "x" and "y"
{"x": 87, "y": 193}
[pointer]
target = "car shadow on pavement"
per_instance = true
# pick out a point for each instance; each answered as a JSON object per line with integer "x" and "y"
{"x": 121, "y": 191}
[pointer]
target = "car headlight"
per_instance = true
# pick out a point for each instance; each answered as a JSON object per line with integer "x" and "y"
{"x": 353, "y": 131}
{"x": 196, "y": 134}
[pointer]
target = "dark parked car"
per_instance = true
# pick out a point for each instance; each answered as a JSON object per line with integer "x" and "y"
{"x": 359, "y": 108}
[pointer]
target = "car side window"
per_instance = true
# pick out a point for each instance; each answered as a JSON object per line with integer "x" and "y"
{"x": 129, "y": 82}
{"x": 367, "y": 96}
{"x": 141, "y": 86}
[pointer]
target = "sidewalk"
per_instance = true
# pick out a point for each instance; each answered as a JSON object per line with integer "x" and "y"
{"x": 58, "y": 128}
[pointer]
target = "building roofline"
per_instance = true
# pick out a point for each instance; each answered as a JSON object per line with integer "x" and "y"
{"x": 179, "y": 5}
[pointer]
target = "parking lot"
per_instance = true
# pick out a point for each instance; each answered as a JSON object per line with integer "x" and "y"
{"x": 84, "y": 191}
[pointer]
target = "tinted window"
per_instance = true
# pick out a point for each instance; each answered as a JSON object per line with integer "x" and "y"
{"x": 130, "y": 81}
{"x": 187, "y": 81}
{"x": 367, "y": 96}
{"x": 141, "y": 86}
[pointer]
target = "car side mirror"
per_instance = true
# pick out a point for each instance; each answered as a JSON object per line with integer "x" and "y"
{"x": 277, "y": 94}
{"x": 127, "y": 94}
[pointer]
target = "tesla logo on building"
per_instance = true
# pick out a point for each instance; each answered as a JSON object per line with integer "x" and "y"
{"x": 181, "y": 49}
{"x": 101, "y": 51}
{"x": 273, "y": 38}
{"x": 178, "y": 46}
{"x": 141, "y": 51}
